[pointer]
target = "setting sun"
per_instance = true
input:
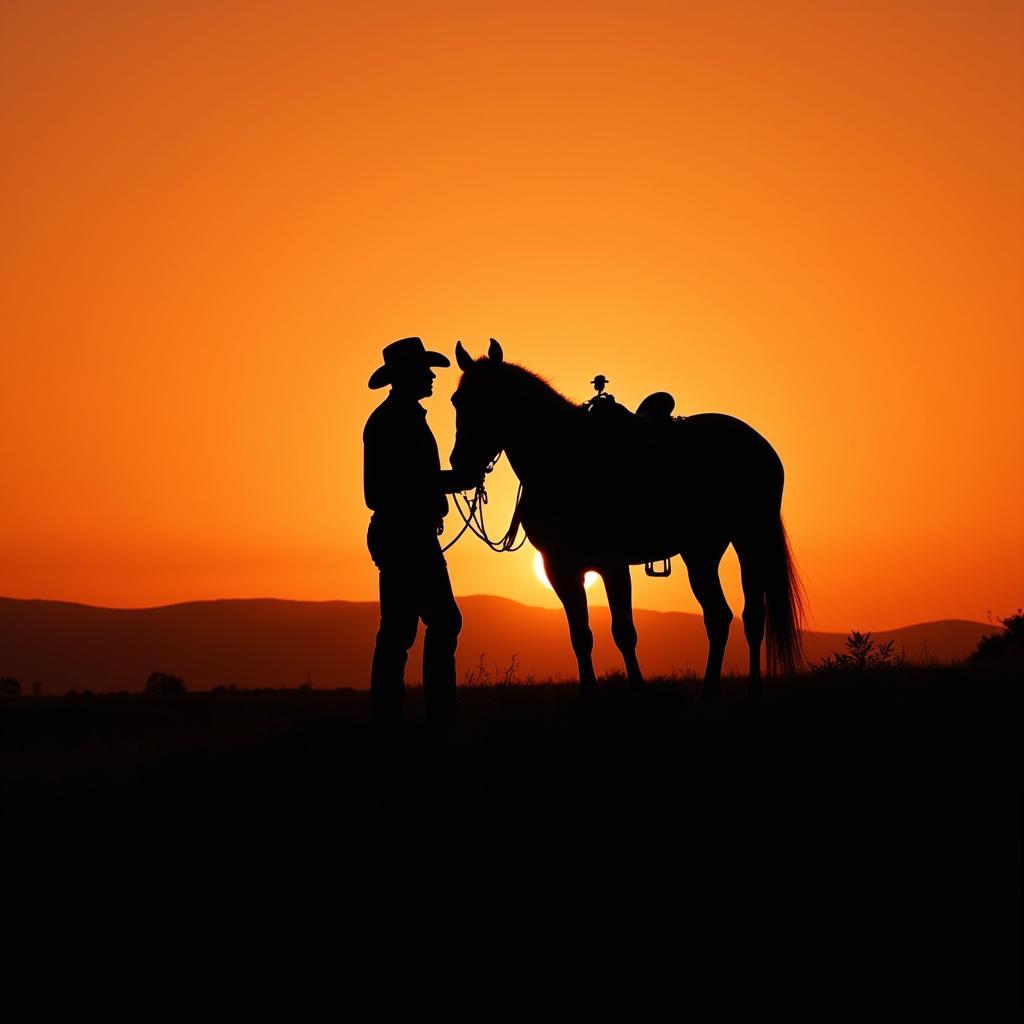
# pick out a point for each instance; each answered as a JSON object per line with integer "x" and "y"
{"x": 538, "y": 567}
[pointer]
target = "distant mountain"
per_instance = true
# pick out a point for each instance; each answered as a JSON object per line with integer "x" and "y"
{"x": 255, "y": 643}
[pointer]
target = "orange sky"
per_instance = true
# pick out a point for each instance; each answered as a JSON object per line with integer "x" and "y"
{"x": 215, "y": 215}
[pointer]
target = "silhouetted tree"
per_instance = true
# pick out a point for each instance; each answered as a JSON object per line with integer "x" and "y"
{"x": 160, "y": 684}
{"x": 1007, "y": 646}
{"x": 9, "y": 687}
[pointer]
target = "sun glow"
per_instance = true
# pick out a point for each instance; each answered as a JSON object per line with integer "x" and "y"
{"x": 538, "y": 567}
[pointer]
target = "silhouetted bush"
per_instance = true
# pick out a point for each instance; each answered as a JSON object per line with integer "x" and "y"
{"x": 161, "y": 684}
{"x": 861, "y": 655}
{"x": 9, "y": 687}
{"x": 1007, "y": 646}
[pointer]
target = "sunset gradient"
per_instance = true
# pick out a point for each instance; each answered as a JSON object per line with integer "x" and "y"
{"x": 806, "y": 214}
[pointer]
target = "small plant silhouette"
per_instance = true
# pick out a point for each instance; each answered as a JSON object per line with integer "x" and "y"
{"x": 861, "y": 655}
{"x": 9, "y": 687}
{"x": 507, "y": 676}
{"x": 478, "y": 676}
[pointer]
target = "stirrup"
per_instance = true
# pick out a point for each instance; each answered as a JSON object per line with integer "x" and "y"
{"x": 665, "y": 570}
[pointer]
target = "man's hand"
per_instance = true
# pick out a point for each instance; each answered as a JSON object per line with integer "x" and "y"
{"x": 452, "y": 482}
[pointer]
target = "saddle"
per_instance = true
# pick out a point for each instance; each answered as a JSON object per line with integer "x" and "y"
{"x": 642, "y": 436}
{"x": 656, "y": 408}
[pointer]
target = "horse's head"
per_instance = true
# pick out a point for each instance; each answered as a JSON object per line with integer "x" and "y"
{"x": 478, "y": 402}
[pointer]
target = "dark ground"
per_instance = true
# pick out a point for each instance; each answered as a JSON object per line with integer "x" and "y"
{"x": 862, "y": 829}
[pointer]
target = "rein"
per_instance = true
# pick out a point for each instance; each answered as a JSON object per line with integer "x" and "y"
{"x": 473, "y": 517}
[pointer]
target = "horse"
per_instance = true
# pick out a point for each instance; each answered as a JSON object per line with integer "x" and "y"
{"x": 604, "y": 492}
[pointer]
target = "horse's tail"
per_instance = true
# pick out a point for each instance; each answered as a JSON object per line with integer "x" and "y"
{"x": 784, "y": 603}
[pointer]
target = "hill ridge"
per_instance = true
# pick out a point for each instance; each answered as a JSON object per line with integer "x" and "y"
{"x": 281, "y": 642}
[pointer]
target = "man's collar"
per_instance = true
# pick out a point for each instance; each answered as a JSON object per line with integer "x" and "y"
{"x": 406, "y": 403}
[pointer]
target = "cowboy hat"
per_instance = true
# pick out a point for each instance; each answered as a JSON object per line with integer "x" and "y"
{"x": 404, "y": 355}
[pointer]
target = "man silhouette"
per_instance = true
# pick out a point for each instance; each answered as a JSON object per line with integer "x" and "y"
{"x": 405, "y": 488}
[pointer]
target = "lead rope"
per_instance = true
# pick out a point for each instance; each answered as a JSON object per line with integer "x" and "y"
{"x": 473, "y": 517}
{"x": 466, "y": 523}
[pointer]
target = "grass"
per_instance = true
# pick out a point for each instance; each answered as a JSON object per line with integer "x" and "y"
{"x": 886, "y": 801}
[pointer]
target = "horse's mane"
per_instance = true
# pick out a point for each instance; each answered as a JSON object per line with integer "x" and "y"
{"x": 531, "y": 388}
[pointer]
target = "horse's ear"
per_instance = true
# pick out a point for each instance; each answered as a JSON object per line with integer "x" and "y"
{"x": 462, "y": 357}
{"x": 495, "y": 352}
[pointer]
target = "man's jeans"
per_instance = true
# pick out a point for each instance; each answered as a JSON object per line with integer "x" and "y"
{"x": 414, "y": 585}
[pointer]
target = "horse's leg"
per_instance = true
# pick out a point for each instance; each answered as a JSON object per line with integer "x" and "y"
{"x": 619, "y": 586}
{"x": 702, "y": 566}
{"x": 752, "y": 576}
{"x": 567, "y": 583}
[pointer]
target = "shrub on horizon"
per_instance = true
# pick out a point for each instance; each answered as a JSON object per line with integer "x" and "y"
{"x": 1007, "y": 646}
{"x": 9, "y": 687}
{"x": 162, "y": 684}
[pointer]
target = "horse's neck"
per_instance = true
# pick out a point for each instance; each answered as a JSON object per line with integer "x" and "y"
{"x": 538, "y": 445}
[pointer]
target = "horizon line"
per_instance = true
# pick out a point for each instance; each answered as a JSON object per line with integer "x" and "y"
{"x": 459, "y": 597}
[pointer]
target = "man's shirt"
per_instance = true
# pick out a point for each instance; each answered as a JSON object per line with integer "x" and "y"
{"x": 401, "y": 466}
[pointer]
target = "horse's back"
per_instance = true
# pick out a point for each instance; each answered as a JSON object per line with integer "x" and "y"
{"x": 718, "y": 433}
{"x": 718, "y": 424}
{"x": 728, "y": 458}
{"x": 706, "y": 451}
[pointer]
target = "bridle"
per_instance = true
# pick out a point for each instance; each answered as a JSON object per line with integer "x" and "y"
{"x": 473, "y": 516}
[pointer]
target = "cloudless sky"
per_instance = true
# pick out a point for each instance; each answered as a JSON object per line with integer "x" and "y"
{"x": 215, "y": 215}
